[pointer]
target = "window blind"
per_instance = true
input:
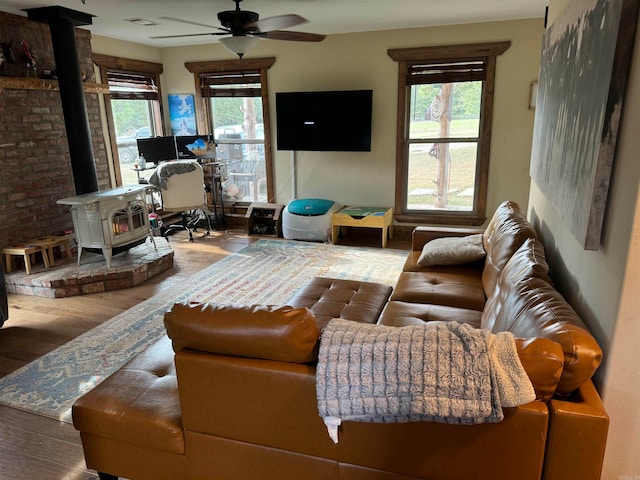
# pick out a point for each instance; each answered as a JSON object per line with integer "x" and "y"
{"x": 446, "y": 72}
{"x": 132, "y": 86}
{"x": 231, "y": 84}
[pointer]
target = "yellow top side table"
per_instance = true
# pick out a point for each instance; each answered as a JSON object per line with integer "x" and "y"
{"x": 368, "y": 217}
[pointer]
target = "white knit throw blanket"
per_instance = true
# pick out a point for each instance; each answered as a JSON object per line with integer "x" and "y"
{"x": 444, "y": 372}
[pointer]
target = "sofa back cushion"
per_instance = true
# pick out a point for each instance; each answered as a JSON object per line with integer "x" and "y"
{"x": 505, "y": 233}
{"x": 283, "y": 334}
{"x": 533, "y": 308}
{"x": 528, "y": 262}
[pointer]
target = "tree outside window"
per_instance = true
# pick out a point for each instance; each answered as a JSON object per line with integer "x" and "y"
{"x": 444, "y": 121}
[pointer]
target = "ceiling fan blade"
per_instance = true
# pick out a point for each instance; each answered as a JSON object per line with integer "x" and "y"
{"x": 191, "y": 35}
{"x": 276, "y": 23}
{"x": 180, "y": 20}
{"x": 292, "y": 36}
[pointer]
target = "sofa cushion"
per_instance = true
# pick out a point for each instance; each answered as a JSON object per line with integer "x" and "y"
{"x": 533, "y": 308}
{"x": 138, "y": 405}
{"x": 401, "y": 314}
{"x": 329, "y": 298}
{"x": 452, "y": 250}
{"x": 528, "y": 262}
{"x": 462, "y": 290}
{"x": 284, "y": 334}
{"x": 505, "y": 233}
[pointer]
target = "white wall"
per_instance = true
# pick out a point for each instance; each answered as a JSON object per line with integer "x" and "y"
{"x": 120, "y": 48}
{"x": 603, "y": 285}
{"x": 360, "y": 61}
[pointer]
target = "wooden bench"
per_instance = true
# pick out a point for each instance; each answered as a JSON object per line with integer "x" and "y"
{"x": 44, "y": 245}
{"x": 26, "y": 251}
{"x": 51, "y": 242}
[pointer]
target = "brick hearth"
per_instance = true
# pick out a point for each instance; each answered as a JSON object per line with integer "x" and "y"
{"x": 69, "y": 279}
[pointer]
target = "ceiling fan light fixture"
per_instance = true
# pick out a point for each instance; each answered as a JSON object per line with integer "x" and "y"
{"x": 239, "y": 44}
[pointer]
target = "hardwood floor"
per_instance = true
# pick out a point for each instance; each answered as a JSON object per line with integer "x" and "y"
{"x": 38, "y": 325}
{"x": 38, "y": 448}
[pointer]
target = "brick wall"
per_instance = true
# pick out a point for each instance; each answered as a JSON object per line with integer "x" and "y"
{"x": 35, "y": 168}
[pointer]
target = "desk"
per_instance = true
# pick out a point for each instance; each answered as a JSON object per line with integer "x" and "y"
{"x": 367, "y": 217}
{"x": 141, "y": 180}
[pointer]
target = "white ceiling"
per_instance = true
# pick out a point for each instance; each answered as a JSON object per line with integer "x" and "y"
{"x": 324, "y": 16}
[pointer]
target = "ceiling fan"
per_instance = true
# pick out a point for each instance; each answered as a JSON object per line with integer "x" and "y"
{"x": 246, "y": 28}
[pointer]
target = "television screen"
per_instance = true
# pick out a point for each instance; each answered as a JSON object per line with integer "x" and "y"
{"x": 157, "y": 149}
{"x": 324, "y": 121}
{"x": 195, "y": 146}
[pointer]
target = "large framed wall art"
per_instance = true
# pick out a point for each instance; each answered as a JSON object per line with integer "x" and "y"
{"x": 182, "y": 113}
{"x": 583, "y": 74}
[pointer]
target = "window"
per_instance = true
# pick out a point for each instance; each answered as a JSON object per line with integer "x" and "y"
{"x": 133, "y": 109}
{"x": 234, "y": 100}
{"x": 234, "y": 96}
{"x": 445, "y": 104}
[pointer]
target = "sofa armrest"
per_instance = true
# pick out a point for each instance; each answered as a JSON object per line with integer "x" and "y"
{"x": 543, "y": 360}
{"x": 577, "y": 436}
{"x": 423, "y": 234}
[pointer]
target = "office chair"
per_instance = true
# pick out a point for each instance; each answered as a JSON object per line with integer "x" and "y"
{"x": 182, "y": 188}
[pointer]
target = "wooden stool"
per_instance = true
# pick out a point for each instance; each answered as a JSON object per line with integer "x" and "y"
{"x": 49, "y": 243}
{"x": 25, "y": 251}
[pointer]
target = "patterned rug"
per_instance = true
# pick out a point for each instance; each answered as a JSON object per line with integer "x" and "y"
{"x": 266, "y": 272}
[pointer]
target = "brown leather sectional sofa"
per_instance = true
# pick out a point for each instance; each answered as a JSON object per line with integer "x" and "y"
{"x": 238, "y": 400}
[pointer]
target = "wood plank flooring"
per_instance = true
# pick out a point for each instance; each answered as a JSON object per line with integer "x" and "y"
{"x": 38, "y": 448}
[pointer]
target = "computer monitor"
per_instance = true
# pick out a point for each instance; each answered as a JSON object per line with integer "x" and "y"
{"x": 196, "y": 146}
{"x": 157, "y": 149}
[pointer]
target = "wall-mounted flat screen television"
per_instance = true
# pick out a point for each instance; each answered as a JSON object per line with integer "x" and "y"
{"x": 196, "y": 146}
{"x": 157, "y": 149}
{"x": 324, "y": 121}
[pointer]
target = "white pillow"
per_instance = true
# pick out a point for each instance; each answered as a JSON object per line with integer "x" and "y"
{"x": 452, "y": 251}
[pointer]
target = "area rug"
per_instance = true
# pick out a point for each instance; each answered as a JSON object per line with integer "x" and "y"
{"x": 268, "y": 272}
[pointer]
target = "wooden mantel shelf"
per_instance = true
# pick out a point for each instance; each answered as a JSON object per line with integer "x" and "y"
{"x": 26, "y": 83}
